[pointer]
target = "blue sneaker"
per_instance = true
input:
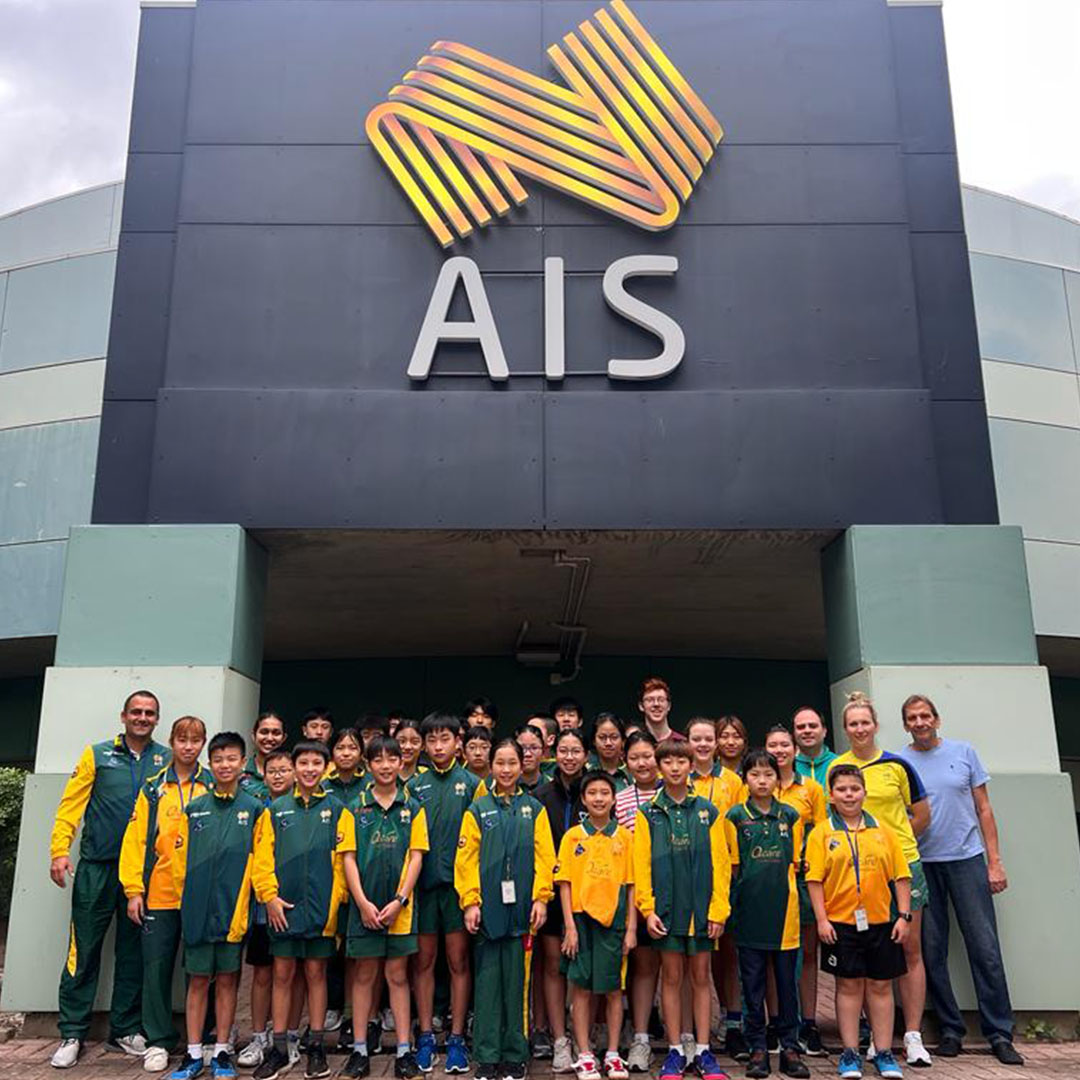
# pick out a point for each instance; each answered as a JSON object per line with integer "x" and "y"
{"x": 886, "y": 1065}
{"x": 188, "y": 1069}
{"x": 850, "y": 1065}
{"x": 708, "y": 1068}
{"x": 426, "y": 1052}
{"x": 221, "y": 1067}
{"x": 674, "y": 1067}
{"x": 457, "y": 1057}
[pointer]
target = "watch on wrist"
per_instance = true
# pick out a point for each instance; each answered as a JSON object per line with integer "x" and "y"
{"x": 905, "y": 915}
{"x": 404, "y": 900}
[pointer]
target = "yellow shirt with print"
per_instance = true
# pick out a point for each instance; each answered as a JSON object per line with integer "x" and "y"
{"x": 598, "y": 864}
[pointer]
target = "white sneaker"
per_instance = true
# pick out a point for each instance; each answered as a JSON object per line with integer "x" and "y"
{"x": 586, "y": 1069}
{"x": 917, "y": 1055}
{"x": 640, "y": 1057}
{"x": 156, "y": 1059}
{"x": 67, "y": 1054}
{"x": 251, "y": 1057}
{"x": 387, "y": 1020}
{"x": 562, "y": 1059}
{"x": 333, "y": 1020}
{"x": 135, "y": 1045}
{"x": 615, "y": 1068}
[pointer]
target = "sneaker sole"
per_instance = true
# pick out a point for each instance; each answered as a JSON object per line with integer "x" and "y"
{"x": 455, "y": 1069}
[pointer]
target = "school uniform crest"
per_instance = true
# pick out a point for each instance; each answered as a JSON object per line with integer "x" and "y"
{"x": 526, "y": 812}
{"x": 159, "y": 759}
{"x": 834, "y": 844}
{"x": 703, "y": 817}
{"x": 325, "y": 815}
{"x": 580, "y": 849}
{"x": 459, "y": 788}
{"x": 406, "y": 816}
{"x": 242, "y": 817}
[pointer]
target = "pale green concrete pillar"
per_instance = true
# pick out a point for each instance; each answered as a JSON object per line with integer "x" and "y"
{"x": 175, "y": 609}
{"x": 945, "y": 611}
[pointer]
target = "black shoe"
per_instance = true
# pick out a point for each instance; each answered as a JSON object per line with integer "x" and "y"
{"x": 358, "y": 1065}
{"x": 758, "y": 1066}
{"x": 515, "y": 1070}
{"x": 487, "y": 1072}
{"x": 735, "y": 1045}
{"x": 1005, "y": 1052}
{"x": 810, "y": 1037}
{"x": 316, "y": 1064}
{"x": 772, "y": 1038}
{"x": 305, "y": 1040}
{"x": 274, "y": 1063}
{"x": 374, "y": 1038}
{"x": 949, "y": 1046}
{"x": 792, "y": 1065}
{"x": 405, "y": 1067}
{"x": 345, "y": 1039}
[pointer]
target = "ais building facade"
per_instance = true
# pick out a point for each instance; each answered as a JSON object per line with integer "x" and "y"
{"x": 433, "y": 349}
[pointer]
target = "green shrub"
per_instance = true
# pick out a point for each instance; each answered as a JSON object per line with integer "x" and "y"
{"x": 12, "y": 782}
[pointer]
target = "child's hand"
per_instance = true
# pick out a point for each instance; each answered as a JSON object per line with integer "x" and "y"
{"x": 538, "y": 916}
{"x": 716, "y": 929}
{"x": 629, "y": 941}
{"x": 900, "y": 931}
{"x": 826, "y": 932}
{"x": 135, "y": 909}
{"x": 275, "y": 913}
{"x": 570, "y": 942}
{"x": 390, "y": 912}
{"x": 472, "y": 918}
{"x": 654, "y": 924}
{"x": 369, "y": 914}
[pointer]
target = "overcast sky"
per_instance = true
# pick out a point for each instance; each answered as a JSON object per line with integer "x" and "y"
{"x": 66, "y": 69}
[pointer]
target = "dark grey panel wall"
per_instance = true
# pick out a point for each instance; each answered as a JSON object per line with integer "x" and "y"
{"x": 272, "y": 280}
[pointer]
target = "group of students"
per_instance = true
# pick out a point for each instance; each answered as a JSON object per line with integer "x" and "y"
{"x": 632, "y": 859}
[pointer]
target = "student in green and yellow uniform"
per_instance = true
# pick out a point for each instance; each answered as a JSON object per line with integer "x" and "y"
{"x": 101, "y": 794}
{"x": 765, "y": 841}
{"x": 147, "y": 854}
{"x": 267, "y": 735}
{"x": 808, "y": 798}
{"x": 532, "y": 748}
{"x": 608, "y": 744}
{"x": 896, "y": 797}
{"x": 299, "y": 847}
{"x": 548, "y": 728}
{"x": 476, "y": 745}
{"x": 596, "y": 885}
{"x": 855, "y": 864}
{"x": 682, "y": 881}
{"x": 391, "y": 831}
{"x": 212, "y": 868}
{"x": 280, "y": 778}
{"x": 346, "y": 777}
{"x": 503, "y": 874}
{"x": 445, "y": 792}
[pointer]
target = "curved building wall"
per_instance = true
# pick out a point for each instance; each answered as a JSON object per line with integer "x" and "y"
{"x": 57, "y": 262}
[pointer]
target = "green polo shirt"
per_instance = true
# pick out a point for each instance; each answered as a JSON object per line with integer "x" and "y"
{"x": 765, "y": 901}
{"x": 816, "y": 768}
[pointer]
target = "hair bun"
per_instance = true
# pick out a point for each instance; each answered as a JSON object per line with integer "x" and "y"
{"x": 857, "y": 697}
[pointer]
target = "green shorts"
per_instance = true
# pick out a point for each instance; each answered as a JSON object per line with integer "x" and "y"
{"x": 381, "y": 946}
{"x": 600, "y": 965}
{"x": 440, "y": 910}
{"x": 685, "y": 944}
{"x": 212, "y": 957}
{"x": 312, "y": 948}
{"x": 920, "y": 891}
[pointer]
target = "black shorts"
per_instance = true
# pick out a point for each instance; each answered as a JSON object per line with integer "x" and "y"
{"x": 257, "y": 949}
{"x": 866, "y": 954}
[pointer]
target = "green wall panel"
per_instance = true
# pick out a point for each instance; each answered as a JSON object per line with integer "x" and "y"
{"x": 162, "y": 595}
{"x": 913, "y": 594}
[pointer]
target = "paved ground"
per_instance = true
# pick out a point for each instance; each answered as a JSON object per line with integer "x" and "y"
{"x": 28, "y": 1059}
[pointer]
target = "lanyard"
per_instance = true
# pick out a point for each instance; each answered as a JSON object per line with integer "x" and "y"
{"x": 180, "y": 788}
{"x": 854, "y": 848}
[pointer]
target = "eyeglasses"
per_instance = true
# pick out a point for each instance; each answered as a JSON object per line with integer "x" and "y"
{"x": 278, "y": 772}
{"x": 655, "y": 699}
{"x": 529, "y": 749}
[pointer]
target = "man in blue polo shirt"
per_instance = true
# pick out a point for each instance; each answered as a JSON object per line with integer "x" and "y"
{"x": 960, "y": 855}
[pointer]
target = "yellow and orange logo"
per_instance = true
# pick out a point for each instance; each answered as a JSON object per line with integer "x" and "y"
{"x": 624, "y": 131}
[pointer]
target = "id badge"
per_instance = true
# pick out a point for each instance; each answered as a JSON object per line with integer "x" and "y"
{"x": 509, "y": 894}
{"x": 861, "y": 921}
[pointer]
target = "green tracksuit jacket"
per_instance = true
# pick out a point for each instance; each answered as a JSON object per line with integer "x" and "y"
{"x": 445, "y": 796}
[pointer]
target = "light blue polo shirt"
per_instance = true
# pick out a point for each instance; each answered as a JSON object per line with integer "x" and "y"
{"x": 949, "y": 773}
